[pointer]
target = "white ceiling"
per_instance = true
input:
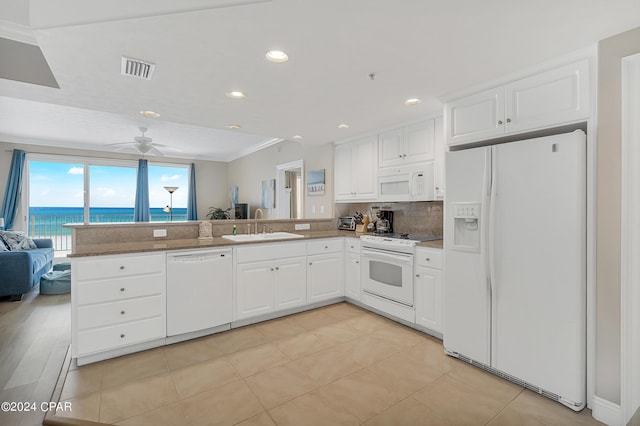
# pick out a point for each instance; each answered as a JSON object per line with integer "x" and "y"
{"x": 205, "y": 48}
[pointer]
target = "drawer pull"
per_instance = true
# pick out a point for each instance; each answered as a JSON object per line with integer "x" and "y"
{"x": 121, "y": 312}
{"x": 272, "y": 269}
{"x": 122, "y": 289}
{"x": 417, "y": 275}
{"x": 310, "y": 263}
{"x": 326, "y": 247}
{"x": 121, "y": 268}
{"x": 357, "y": 261}
{"x": 122, "y": 336}
{"x": 428, "y": 259}
{"x": 277, "y": 268}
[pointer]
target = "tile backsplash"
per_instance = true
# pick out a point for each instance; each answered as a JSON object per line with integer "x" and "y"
{"x": 419, "y": 217}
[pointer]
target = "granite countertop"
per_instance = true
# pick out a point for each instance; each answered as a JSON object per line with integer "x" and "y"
{"x": 101, "y": 249}
{"x": 432, "y": 244}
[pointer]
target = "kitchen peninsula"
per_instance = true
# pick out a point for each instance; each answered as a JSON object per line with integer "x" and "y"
{"x": 122, "y": 286}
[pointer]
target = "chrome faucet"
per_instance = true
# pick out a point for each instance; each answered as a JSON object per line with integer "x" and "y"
{"x": 256, "y": 218}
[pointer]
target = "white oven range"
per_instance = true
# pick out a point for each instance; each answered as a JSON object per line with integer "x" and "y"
{"x": 387, "y": 265}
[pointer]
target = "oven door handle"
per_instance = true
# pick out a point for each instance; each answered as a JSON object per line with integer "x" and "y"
{"x": 384, "y": 254}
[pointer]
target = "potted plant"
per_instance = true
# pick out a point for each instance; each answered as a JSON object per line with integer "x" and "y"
{"x": 216, "y": 213}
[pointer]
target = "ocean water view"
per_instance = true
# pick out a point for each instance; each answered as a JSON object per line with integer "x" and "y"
{"x": 48, "y": 222}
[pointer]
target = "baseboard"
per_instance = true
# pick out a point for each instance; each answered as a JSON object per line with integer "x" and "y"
{"x": 606, "y": 412}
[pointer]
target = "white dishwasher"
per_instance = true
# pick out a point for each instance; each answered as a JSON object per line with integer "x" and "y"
{"x": 199, "y": 290}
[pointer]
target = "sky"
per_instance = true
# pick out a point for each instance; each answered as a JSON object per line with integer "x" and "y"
{"x": 61, "y": 185}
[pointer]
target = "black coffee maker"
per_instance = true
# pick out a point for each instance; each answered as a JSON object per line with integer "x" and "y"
{"x": 384, "y": 221}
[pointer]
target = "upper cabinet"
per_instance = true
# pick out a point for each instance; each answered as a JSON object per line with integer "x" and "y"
{"x": 356, "y": 164}
{"x": 547, "y": 99}
{"x": 407, "y": 145}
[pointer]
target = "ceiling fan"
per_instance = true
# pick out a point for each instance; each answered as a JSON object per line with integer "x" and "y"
{"x": 144, "y": 145}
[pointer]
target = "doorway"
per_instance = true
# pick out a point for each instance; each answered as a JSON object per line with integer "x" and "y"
{"x": 290, "y": 190}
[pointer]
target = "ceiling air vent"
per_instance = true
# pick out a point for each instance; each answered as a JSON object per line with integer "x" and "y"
{"x": 137, "y": 68}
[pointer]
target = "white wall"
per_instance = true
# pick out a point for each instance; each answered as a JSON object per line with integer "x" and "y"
{"x": 249, "y": 172}
{"x": 610, "y": 53}
{"x": 211, "y": 176}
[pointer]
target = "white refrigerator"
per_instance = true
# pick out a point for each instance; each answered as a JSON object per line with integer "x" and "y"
{"x": 515, "y": 262}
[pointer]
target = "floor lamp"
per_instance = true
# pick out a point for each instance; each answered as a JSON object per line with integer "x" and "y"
{"x": 169, "y": 208}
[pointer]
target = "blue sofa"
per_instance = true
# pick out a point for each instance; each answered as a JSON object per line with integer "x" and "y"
{"x": 21, "y": 270}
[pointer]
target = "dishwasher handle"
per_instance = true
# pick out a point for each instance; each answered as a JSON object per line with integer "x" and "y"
{"x": 198, "y": 257}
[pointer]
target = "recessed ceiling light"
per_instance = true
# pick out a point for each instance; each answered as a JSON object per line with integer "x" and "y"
{"x": 343, "y": 126}
{"x": 234, "y": 126}
{"x": 277, "y": 56}
{"x": 297, "y": 137}
{"x": 150, "y": 114}
{"x": 236, "y": 95}
{"x": 412, "y": 101}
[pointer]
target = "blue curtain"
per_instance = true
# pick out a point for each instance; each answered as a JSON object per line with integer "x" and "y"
{"x": 141, "y": 209}
{"x": 192, "y": 208}
{"x": 11, "y": 199}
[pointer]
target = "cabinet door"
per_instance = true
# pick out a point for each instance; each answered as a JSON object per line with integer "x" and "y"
{"x": 476, "y": 117}
{"x": 550, "y": 98}
{"x": 325, "y": 278}
{"x": 344, "y": 172}
{"x": 290, "y": 283}
{"x": 352, "y": 276}
{"x": 418, "y": 143}
{"x": 254, "y": 289}
{"x": 365, "y": 167}
{"x": 390, "y": 148}
{"x": 439, "y": 148}
{"x": 428, "y": 286}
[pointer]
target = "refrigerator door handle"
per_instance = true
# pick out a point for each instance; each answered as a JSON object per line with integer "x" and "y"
{"x": 487, "y": 241}
{"x": 493, "y": 290}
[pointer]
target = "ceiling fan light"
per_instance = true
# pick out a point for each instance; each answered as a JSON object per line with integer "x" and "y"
{"x": 144, "y": 147}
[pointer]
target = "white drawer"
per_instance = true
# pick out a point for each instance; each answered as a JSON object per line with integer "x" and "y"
{"x": 352, "y": 245}
{"x": 112, "y": 313}
{"x": 260, "y": 252}
{"x": 324, "y": 246}
{"x": 431, "y": 258}
{"x": 104, "y": 339}
{"x": 117, "y": 266}
{"x": 118, "y": 289}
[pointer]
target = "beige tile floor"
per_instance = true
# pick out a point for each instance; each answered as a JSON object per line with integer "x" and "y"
{"x": 334, "y": 365}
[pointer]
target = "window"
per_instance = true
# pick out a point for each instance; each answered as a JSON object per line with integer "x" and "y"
{"x": 159, "y": 198}
{"x": 62, "y": 190}
{"x": 112, "y": 193}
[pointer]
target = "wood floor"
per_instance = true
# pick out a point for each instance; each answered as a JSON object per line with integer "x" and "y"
{"x": 35, "y": 334}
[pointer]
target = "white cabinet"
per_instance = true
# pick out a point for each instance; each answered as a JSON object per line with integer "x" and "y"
{"x": 407, "y": 145}
{"x": 325, "y": 279}
{"x": 116, "y": 301}
{"x": 440, "y": 148}
{"x": 265, "y": 287}
{"x": 428, "y": 288}
{"x": 547, "y": 99}
{"x": 356, "y": 164}
{"x": 352, "y": 285}
{"x": 290, "y": 284}
{"x": 269, "y": 277}
{"x": 254, "y": 289}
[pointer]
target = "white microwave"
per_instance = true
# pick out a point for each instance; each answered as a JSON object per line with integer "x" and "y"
{"x": 406, "y": 183}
